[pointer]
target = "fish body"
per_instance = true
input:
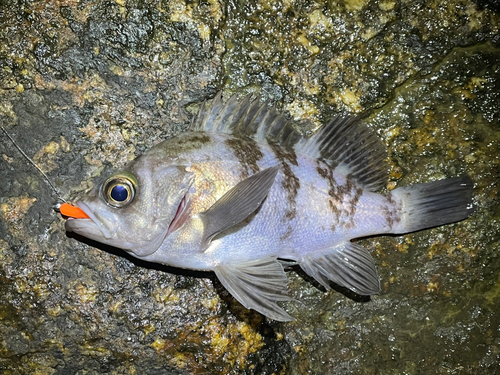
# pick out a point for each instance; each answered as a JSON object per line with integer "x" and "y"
{"x": 298, "y": 216}
{"x": 242, "y": 189}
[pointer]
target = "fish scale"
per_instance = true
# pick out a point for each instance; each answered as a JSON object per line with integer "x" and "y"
{"x": 242, "y": 189}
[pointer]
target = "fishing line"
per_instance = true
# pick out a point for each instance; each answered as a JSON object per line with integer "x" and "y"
{"x": 56, "y": 207}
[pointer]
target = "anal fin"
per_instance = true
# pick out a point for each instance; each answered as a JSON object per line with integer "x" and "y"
{"x": 258, "y": 285}
{"x": 348, "y": 264}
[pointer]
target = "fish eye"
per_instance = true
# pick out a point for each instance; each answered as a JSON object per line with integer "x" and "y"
{"x": 119, "y": 189}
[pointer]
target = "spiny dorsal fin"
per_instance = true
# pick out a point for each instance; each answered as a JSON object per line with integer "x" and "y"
{"x": 345, "y": 143}
{"x": 247, "y": 117}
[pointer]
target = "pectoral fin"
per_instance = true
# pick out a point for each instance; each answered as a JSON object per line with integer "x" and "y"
{"x": 349, "y": 265}
{"x": 237, "y": 204}
{"x": 258, "y": 285}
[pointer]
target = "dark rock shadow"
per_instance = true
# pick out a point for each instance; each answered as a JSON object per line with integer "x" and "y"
{"x": 251, "y": 317}
{"x": 138, "y": 262}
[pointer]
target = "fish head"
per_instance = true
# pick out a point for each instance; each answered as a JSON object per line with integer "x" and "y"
{"x": 134, "y": 209}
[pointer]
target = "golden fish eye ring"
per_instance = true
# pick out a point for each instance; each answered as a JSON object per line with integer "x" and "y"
{"x": 119, "y": 190}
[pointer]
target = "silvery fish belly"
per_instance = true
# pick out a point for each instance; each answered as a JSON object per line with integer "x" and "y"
{"x": 242, "y": 190}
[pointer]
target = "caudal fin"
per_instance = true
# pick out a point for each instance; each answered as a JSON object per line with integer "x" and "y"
{"x": 433, "y": 204}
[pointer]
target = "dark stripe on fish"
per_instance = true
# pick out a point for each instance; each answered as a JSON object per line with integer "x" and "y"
{"x": 390, "y": 212}
{"x": 340, "y": 196}
{"x": 185, "y": 143}
{"x": 290, "y": 183}
{"x": 248, "y": 153}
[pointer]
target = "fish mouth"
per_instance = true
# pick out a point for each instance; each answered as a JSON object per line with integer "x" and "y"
{"x": 92, "y": 227}
{"x": 182, "y": 214}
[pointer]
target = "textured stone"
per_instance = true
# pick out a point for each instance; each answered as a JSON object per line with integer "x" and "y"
{"x": 87, "y": 86}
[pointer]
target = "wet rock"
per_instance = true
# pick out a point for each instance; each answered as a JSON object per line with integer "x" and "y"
{"x": 85, "y": 87}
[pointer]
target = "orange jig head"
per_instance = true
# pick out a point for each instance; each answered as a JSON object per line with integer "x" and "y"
{"x": 68, "y": 210}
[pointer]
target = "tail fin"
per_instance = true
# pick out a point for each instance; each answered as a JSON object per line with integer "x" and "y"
{"x": 433, "y": 204}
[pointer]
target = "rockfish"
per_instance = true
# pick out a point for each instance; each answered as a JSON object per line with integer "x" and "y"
{"x": 242, "y": 190}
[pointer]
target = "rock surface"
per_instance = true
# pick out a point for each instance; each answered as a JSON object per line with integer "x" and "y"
{"x": 86, "y": 86}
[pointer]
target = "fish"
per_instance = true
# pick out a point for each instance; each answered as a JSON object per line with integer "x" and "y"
{"x": 243, "y": 193}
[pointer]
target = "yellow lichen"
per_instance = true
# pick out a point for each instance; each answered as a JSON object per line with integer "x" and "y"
{"x": 302, "y": 110}
{"x": 475, "y": 17}
{"x": 51, "y": 148}
{"x": 118, "y": 70}
{"x": 41, "y": 289}
{"x": 45, "y": 157}
{"x": 14, "y": 209}
{"x": 64, "y": 144}
{"x": 300, "y": 349}
{"x": 7, "y": 159}
{"x": 354, "y": 5}
{"x": 204, "y": 31}
{"x": 319, "y": 22}
{"x": 252, "y": 337}
{"x": 97, "y": 351}
{"x": 220, "y": 343}
{"x": 179, "y": 360}
{"x": 211, "y": 303}
{"x": 470, "y": 159}
{"x": 165, "y": 295}
{"x": 231, "y": 342}
{"x": 307, "y": 44}
{"x": 446, "y": 293}
{"x": 89, "y": 159}
{"x": 4, "y": 246}
{"x": 88, "y": 90}
{"x": 159, "y": 344}
{"x": 6, "y": 109}
{"x": 493, "y": 293}
{"x": 369, "y": 33}
{"x": 54, "y": 311}
{"x": 149, "y": 328}
{"x": 351, "y": 99}
{"x": 476, "y": 83}
{"x": 403, "y": 247}
{"x": 180, "y": 11}
{"x": 387, "y": 5}
{"x": 86, "y": 293}
{"x": 422, "y": 138}
{"x": 115, "y": 306}
{"x": 129, "y": 134}
{"x": 432, "y": 287}
{"x": 341, "y": 324}
{"x": 22, "y": 282}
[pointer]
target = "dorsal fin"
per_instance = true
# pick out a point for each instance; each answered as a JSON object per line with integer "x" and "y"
{"x": 245, "y": 117}
{"x": 345, "y": 143}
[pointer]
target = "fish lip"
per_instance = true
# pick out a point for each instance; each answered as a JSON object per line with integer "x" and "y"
{"x": 106, "y": 232}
